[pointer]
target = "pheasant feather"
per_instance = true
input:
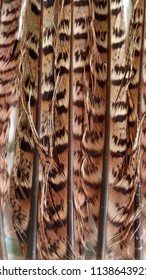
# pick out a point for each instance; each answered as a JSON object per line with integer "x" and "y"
{"x": 77, "y": 157}
{"x": 128, "y": 184}
{"x": 9, "y": 85}
{"x": 22, "y": 173}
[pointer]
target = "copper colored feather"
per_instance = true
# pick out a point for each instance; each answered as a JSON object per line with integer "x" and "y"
{"x": 22, "y": 173}
{"x": 80, "y": 138}
{"x": 9, "y": 85}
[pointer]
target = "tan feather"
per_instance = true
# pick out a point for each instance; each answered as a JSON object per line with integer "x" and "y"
{"x": 9, "y": 86}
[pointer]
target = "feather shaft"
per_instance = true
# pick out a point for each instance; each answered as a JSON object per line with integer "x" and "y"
{"x": 102, "y": 229}
{"x": 70, "y": 215}
{"x": 138, "y": 222}
{"x": 142, "y": 141}
{"x": 33, "y": 224}
{"x": 3, "y": 251}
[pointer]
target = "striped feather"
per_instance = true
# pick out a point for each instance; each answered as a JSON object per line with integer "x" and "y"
{"x": 52, "y": 234}
{"x": 9, "y": 86}
{"x": 22, "y": 173}
{"x": 81, "y": 93}
{"x": 77, "y": 156}
{"x": 9, "y": 61}
{"x": 142, "y": 140}
{"x": 115, "y": 122}
{"x": 123, "y": 216}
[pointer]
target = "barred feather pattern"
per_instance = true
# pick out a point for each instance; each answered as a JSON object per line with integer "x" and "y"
{"x": 143, "y": 145}
{"x": 52, "y": 235}
{"x": 112, "y": 74}
{"x": 52, "y": 214}
{"x": 94, "y": 120}
{"x": 126, "y": 187}
{"x": 21, "y": 178}
{"x": 47, "y": 116}
{"x": 91, "y": 121}
{"x": 101, "y": 66}
{"x": 135, "y": 35}
{"x": 119, "y": 73}
{"x": 82, "y": 89}
{"x": 9, "y": 86}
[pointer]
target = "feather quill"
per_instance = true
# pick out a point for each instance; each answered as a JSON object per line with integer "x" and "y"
{"x": 142, "y": 140}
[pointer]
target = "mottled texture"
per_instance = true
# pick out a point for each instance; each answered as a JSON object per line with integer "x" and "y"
{"x": 78, "y": 111}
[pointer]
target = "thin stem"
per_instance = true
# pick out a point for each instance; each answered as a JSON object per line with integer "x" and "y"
{"x": 138, "y": 222}
{"x": 105, "y": 177}
{"x": 70, "y": 246}
{"x": 33, "y": 225}
{"x": 3, "y": 251}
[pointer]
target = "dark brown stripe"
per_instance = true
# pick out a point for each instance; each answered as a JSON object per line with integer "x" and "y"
{"x": 61, "y": 95}
{"x": 81, "y": 3}
{"x": 79, "y": 119}
{"x": 101, "y": 4}
{"x": 118, "y": 45}
{"x": 61, "y": 148}
{"x": 81, "y": 36}
{"x": 98, "y": 118}
{"x": 57, "y": 187}
{"x": 10, "y": 32}
{"x": 6, "y": 23}
{"x": 119, "y": 118}
{"x": 61, "y": 71}
{"x": 34, "y": 9}
{"x": 116, "y": 11}
{"x": 47, "y": 50}
{"x": 100, "y": 17}
{"x": 77, "y": 137}
{"x": 48, "y": 3}
{"x": 79, "y": 103}
{"x": 47, "y": 95}
{"x": 25, "y": 146}
{"x": 62, "y": 109}
{"x": 121, "y": 142}
{"x": 123, "y": 190}
{"x": 92, "y": 185}
{"x": 12, "y": 11}
{"x": 117, "y": 154}
{"x": 62, "y": 55}
{"x": 22, "y": 193}
{"x": 60, "y": 133}
{"x": 101, "y": 49}
{"x": 55, "y": 224}
{"x": 33, "y": 54}
{"x": 64, "y": 37}
{"x": 118, "y": 32}
{"x": 92, "y": 153}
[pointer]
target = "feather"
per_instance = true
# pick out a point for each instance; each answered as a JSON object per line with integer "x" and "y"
{"x": 138, "y": 200}
{"x": 52, "y": 233}
{"x": 122, "y": 211}
{"x": 9, "y": 86}
{"x": 142, "y": 139}
{"x": 76, "y": 170}
{"x": 81, "y": 93}
{"x": 91, "y": 123}
{"x": 9, "y": 61}
{"x": 115, "y": 120}
{"x": 22, "y": 173}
